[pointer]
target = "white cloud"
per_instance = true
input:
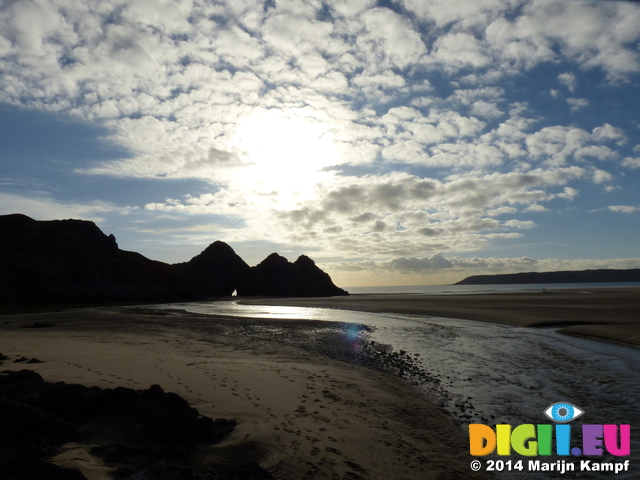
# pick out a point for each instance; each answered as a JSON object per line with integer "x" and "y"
{"x": 519, "y": 224}
{"x": 557, "y": 145}
{"x": 577, "y": 103}
{"x": 568, "y": 193}
{"x": 501, "y": 211}
{"x": 439, "y": 264}
{"x": 631, "y": 162}
{"x": 43, "y": 207}
{"x": 268, "y": 104}
{"x": 600, "y": 176}
{"x": 568, "y": 80}
{"x": 535, "y": 208}
{"x": 485, "y": 110}
{"x": 596, "y": 35}
{"x": 455, "y": 51}
{"x": 399, "y": 41}
{"x": 623, "y": 209}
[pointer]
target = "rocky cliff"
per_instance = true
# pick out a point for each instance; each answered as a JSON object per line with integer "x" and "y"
{"x": 64, "y": 261}
{"x": 276, "y": 276}
{"x": 565, "y": 276}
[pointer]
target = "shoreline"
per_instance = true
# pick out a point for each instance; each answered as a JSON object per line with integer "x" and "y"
{"x": 605, "y": 314}
{"x": 300, "y": 414}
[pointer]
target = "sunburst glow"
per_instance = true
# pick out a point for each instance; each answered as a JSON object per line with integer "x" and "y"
{"x": 285, "y": 153}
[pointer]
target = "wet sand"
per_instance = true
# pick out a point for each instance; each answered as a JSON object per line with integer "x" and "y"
{"x": 299, "y": 414}
{"x": 610, "y": 314}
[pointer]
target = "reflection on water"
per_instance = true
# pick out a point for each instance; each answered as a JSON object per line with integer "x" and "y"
{"x": 494, "y": 373}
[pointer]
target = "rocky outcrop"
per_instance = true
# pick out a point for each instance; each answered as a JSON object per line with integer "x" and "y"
{"x": 218, "y": 270}
{"x": 67, "y": 261}
{"x": 150, "y": 433}
{"x": 64, "y": 261}
{"x": 565, "y": 276}
{"x": 276, "y": 276}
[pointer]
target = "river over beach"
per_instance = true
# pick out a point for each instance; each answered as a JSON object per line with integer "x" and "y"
{"x": 494, "y": 374}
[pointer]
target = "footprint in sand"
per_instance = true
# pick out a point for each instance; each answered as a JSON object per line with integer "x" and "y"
{"x": 335, "y": 451}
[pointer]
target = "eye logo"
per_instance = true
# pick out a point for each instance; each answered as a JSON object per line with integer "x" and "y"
{"x": 563, "y": 412}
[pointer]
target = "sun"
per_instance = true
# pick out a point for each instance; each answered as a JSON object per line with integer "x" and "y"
{"x": 285, "y": 152}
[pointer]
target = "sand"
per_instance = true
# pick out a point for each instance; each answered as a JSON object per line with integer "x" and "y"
{"x": 300, "y": 415}
{"x": 610, "y": 314}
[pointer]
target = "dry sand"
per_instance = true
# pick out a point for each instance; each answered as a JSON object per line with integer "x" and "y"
{"x": 300, "y": 415}
{"x": 611, "y": 314}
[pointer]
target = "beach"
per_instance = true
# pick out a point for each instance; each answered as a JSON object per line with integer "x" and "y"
{"x": 300, "y": 414}
{"x": 308, "y": 402}
{"x": 608, "y": 314}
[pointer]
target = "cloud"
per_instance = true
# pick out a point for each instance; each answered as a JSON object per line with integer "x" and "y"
{"x": 395, "y": 35}
{"x": 568, "y": 80}
{"x": 535, "y": 208}
{"x": 455, "y": 51}
{"x": 623, "y": 208}
{"x": 631, "y": 162}
{"x": 401, "y": 212}
{"x": 595, "y": 35}
{"x": 556, "y": 145}
{"x": 42, "y": 207}
{"x": 368, "y": 130}
{"x": 600, "y": 176}
{"x": 568, "y": 193}
{"x": 577, "y": 103}
{"x": 464, "y": 266}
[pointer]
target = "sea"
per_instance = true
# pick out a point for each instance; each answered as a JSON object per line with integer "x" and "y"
{"x": 475, "y": 289}
{"x": 495, "y": 374}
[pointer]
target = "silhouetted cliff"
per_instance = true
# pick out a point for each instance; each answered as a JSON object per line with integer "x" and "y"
{"x": 582, "y": 276}
{"x": 64, "y": 261}
{"x": 218, "y": 270}
{"x": 276, "y": 276}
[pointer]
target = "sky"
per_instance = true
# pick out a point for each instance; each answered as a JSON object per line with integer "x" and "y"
{"x": 394, "y": 142}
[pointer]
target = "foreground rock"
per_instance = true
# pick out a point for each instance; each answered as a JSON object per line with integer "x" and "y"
{"x": 151, "y": 429}
{"x": 276, "y": 276}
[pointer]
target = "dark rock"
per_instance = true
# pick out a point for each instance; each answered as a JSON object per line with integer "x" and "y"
{"x": 117, "y": 453}
{"x": 162, "y": 425}
{"x": 276, "y": 276}
{"x": 166, "y": 470}
{"x": 150, "y": 426}
{"x": 20, "y": 466}
{"x": 217, "y": 270}
{"x": 73, "y": 261}
{"x": 40, "y": 325}
{"x": 248, "y": 471}
{"x": 64, "y": 261}
{"x": 564, "y": 276}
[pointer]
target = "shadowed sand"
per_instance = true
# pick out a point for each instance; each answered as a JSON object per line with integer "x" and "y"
{"x": 611, "y": 314}
{"x": 300, "y": 415}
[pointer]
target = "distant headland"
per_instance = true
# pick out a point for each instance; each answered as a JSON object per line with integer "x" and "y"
{"x": 580, "y": 276}
{"x": 64, "y": 261}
